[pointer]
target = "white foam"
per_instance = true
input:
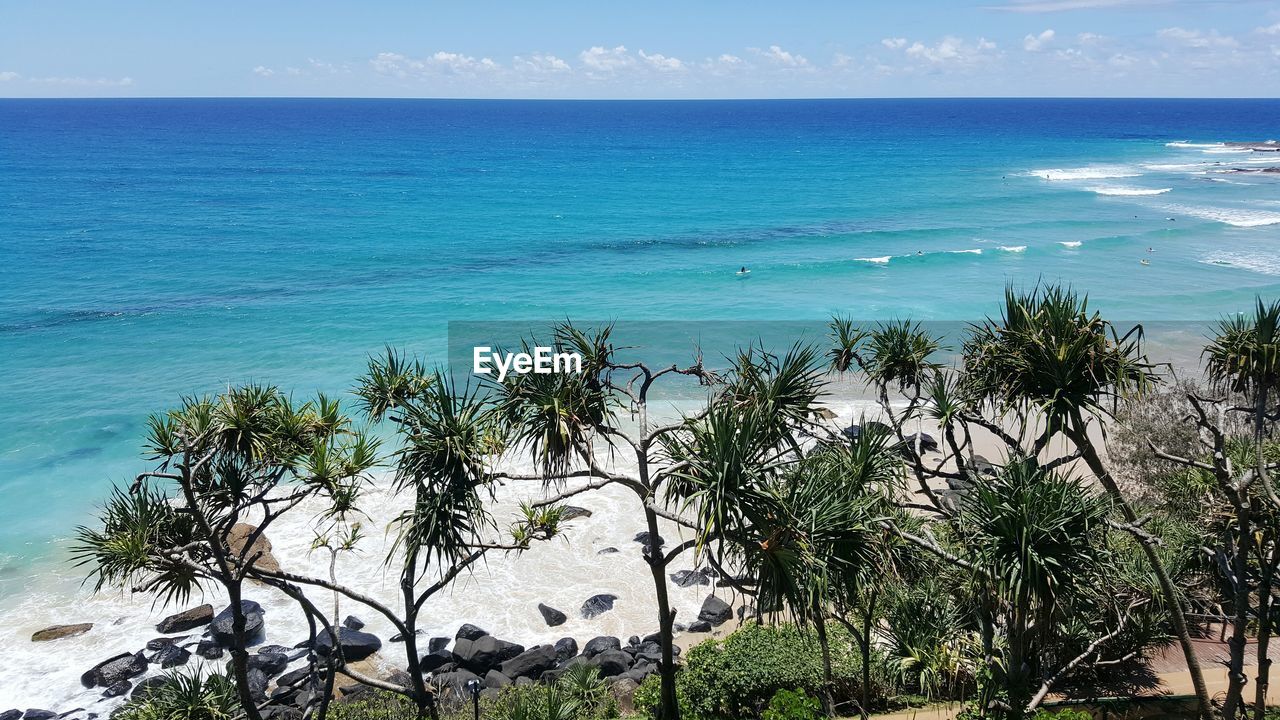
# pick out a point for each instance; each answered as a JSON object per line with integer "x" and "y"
{"x": 974, "y": 251}
{"x": 1070, "y": 243}
{"x": 1097, "y": 172}
{"x": 883, "y": 260}
{"x": 1014, "y": 248}
{"x": 1128, "y": 191}
{"x": 1237, "y": 217}
{"x": 1191, "y": 145}
{"x": 1261, "y": 263}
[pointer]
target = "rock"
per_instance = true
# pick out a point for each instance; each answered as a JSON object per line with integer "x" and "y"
{"x": 353, "y": 622}
{"x": 435, "y": 660}
{"x": 649, "y": 652}
{"x": 524, "y": 681}
{"x": 271, "y": 664}
{"x": 689, "y": 578}
{"x": 633, "y": 641}
{"x": 261, "y": 548}
{"x": 146, "y": 685}
{"x": 643, "y": 539}
{"x": 11, "y": 714}
{"x": 171, "y": 656}
{"x": 700, "y": 626}
{"x": 438, "y": 643}
{"x": 715, "y": 611}
{"x": 209, "y": 650}
{"x": 356, "y": 645}
{"x": 293, "y": 677}
{"x": 485, "y": 654}
{"x": 623, "y": 689}
{"x": 159, "y": 643}
{"x": 597, "y": 605}
{"x": 607, "y": 551}
{"x": 597, "y": 645}
{"x": 470, "y": 632}
{"x": 566, "y": 648}
{"x": 36, "y": 714}
{"x": 612, "y": 662}
{"x": 573, "y": 512}
{"x": 117, "y": 689}
{"x": 553, "y": 616}
{"x": 455, "y": 681}
{"x": 530, "y": 663}
{"x": 57, "y": 632}
{"x": 927, "y": 442}
{"x": 745, "y": 611}
{"x": 113, "y": 670}
{"x": 495, "y": 679}
{"x": 652, "y": 638}
{"x": 221, "y": 630}
{"x": 258, "y": 684}
{"x": 186, "y": 620}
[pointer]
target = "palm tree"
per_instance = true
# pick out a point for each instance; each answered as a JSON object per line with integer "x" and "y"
{"x": 1050, "y": 357}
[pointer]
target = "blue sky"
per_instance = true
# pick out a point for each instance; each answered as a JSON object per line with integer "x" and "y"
{"x": 654, "y": 49}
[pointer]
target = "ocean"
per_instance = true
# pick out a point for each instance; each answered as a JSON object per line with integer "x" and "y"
{"x": 156, "y": 248}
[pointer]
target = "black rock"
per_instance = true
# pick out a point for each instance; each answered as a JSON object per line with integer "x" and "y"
{"x": 293, "y": 677}
{"x": 715, "y": 611}
{"x": 495, "y": 679}
{"x": 597, "y": 605}
{"x": 572, "y": 512}
{"x": 356, "y": 645}
{"x": 117, "y": 689}
{"x": 146, "y": 685}
{"x": 258, "y": 684}
{"x": 274, "y": 650}
{"x": 435, "y": 660}
{"x": 566, "y": 648}
{"x": 271, "y": 664}
{"x": 209, "y": 650}
{"x": 481, "y": 656}
{"x": 89, "y": 678}
{"x": 171, "y": 656}
{"x": 221, "y": 629}
{"x": 597, "y": 645}
{"x": 11, "y": 714}
{"x": 927, "y": 442}
{"x": 700, "y": 626}
{"x": 649, "y": 652}
{"x": 652, "y": 637}
{"x": 438, "y": 643}
{"x": 456, "y": 680}
{"x": 689, "y": 578}
{"x": 353, "y": 622}
{"x": 186, "y": 620}
{"x": 530, "y": 663}
{"x": 36, "y": 714}
{"x": 633, "y": 641}
{"x": 122, "y": 667}
{"x": 607, "y": 551}
{"x": 73, "y": 711}
{"x": 470, "y": 632}
{"x": 612, "y": 662}
{"x": 157, "y": 643}
{"x": 553, "y": 616}
{"x": 643, "y": 539}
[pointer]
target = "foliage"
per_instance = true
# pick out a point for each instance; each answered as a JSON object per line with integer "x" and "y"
{"x": 792, "y": 705}
{"x": 185, "y": 695}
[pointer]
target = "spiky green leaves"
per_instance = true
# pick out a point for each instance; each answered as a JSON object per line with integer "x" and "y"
{"x": 1243, "y": 355}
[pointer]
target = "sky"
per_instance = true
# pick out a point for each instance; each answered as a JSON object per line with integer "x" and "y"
{"x": 652, "y": 49}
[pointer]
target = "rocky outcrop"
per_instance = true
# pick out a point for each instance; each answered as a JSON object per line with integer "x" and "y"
{"x": 597, "y": 605}
{"x": 58, "y": 632}
{"x": 530, "y": 663}
{"x": 259, "y": 553}
{"x": 689, "y": 578}
{"x": 552, "y": 616}
{"x": 186, "y": 620}
{"x": 573, "y": 512}
{"x": 715, "y": 611}
{"x": 114, "y": 669}
{"x": 601, "y": 644}
{"x": 470, "y": 632}
{"x": 612, "y": 662}
{"x": 221, "y": 627}
{"x": 356, "y": 645}
{"x": 485, "y": 654}
{"x": 566, "y": 648}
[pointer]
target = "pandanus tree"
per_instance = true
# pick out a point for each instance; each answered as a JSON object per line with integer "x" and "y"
{"x": 249, "y": 455}
{"x": 570, "y": 425}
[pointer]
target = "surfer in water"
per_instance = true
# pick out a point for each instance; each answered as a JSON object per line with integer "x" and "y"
{"x": 744, "y": 271}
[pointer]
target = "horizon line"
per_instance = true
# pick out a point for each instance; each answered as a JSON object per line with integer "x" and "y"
{"x": 638, "y": 99}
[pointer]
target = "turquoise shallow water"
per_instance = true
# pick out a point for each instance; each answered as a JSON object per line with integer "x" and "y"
{"x": 159, "y": 247}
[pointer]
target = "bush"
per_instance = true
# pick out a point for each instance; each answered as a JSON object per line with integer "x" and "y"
{"x": 375, "y": 705}
{"x": 1067, "y": 714}
{"x": 188, "y": 695}
{"x": 792, "y": 705}
{"x": 736, "y": 677}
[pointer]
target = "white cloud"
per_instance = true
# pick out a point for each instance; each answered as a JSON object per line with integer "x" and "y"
{"x": 894, "y": 43}
{"x": 1269, "y": 30}
{"x": 1047, "y": 6}
{"x": 1198, "y": 39}
{"x": 8, "y": 76}
{"x": 1036, "y": 43}
{"x": 662, "y": 62}
{"x": 599, "y": 59}
{"x": 263, "y": 71}
{"x": 782, "y": 57}
{"x": 952, "y": 50}
{"x": 540, "y": 63}
{"x": 1088, "y": 38}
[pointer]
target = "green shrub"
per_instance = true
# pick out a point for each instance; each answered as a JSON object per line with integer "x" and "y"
{"x": 375, "y": 705}
{"x": 1066, "y": 714}
{"x": 792, "y": 705}
{"x": 189, "y": 695}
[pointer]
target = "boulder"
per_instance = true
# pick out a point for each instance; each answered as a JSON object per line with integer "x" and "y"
{"x": 438, "y": 643}
{"x": 455, "y": 681}
{"x": 11, "y": 714}
{"x": 435, "y": 660}
{"x": 353, "y": 622}
{"x": 171, "y": 656}
{"x": 117, "y": 689}
{"x": 146, "y": 685}
{"x": 293, "y": 677}
{"x": 470, "y": 632}
{"x": 553, "y": 616}
{"x": 258, "y": 684}
{"x": 927, "y": 442}
{"x": 573, "y": 512}
{"x": 221, "y": 629}
{"x": 186, "y": 620}
{"x": 356, "y": 645}
{"x": 566, "y": 648}
{"x": 700, "y": 626}
{"x": 649, "y": 652}
{"x": 530, "y": 663}
{"x": 37, "y": 714}
{"x": 57, "y": 632}
{"x": 597, "y": 645}
{"x": 715, "y": 611}
{"x": 495, "y": 679}
{"x": 260, "y": 552}
{"x": 689, "y": 578}
{"x": 623, "y": 689}
{"x": 481, "y": 656}
{"x": 209, "y": 650}
{"x": 643, "y": 539}
{"x": 607, "y": 551}
{"x": 597, "y": 605}
{"x": 612, "y": 662}
{"x": 271, "y": 664}
{"x": 159, "y": 643}
{"x": 113, "y": 670}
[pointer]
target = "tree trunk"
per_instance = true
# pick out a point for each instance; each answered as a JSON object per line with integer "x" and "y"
{"x": 1172, "y": 601}
{"x": 423, "y": 697}
{"x": 828, "y": 677}
{"x": 669, "y": 709}
{"x": 240, "y": 653}
{"x": 1233, "y": 704}
{"x": 865, "y": 646}
{"x": 1264, "y": 628}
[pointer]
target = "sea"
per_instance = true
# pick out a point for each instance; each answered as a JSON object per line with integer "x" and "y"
{"x": 156, "y": 248}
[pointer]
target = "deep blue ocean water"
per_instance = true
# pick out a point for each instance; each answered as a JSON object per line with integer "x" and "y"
{"x": 153, "y": 248}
